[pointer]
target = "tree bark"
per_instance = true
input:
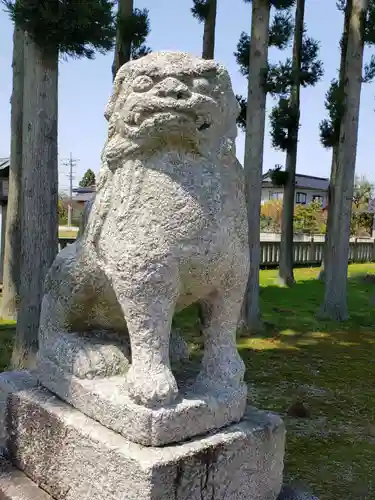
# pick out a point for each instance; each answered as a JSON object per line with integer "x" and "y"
{"x": 286, "y": 276}
{"x": 331, "y": 190}
{"x": 123, "y": 37}
{"x": 208, "y": 51}
{"x": 331, "y": 196}
{"x": 335, "y": 297}
{"x": 39, "y": 226}
{"x": 254, "y": 144}
{"x": 12, "y": 230}
{"x": 4, "y": 209}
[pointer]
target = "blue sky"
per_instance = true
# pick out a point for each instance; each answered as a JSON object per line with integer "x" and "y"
{"x": 84, "y": 86}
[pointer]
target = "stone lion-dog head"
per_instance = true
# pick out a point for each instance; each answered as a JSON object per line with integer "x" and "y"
{"x": 170, "y": 99}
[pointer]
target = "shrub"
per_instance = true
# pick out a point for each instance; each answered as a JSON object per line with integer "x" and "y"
{"x": 309, "y": 219}
{"x": 271, "y": 213}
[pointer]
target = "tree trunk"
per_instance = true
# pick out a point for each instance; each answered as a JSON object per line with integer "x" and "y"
{"x": 209, "y": 31}
{"x": 253, "y": 165}
{"x": 12, "y": 230}
{"x": 331, "y": 196}
{"x": 331, "y": 190}
{"x": 335, "y": 297}
{"x": 286, "y": 276}
{"x": 123, "y": 36}
{"x": 39, "y": 227}
{"x": 4, "y": 209}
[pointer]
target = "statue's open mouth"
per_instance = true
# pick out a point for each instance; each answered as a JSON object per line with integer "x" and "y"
{"x": 169, "y": 117}
{"x": 204, "y": 126}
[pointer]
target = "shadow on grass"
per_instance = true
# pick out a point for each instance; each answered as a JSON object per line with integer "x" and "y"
{"x": 290, "y": 316}
{"x": 296, "y": 307}
{"x": 328, "y": 365}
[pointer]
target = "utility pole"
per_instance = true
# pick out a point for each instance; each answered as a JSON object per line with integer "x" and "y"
{"x": 71, "y": 163}
{"x": 70, "y": 207}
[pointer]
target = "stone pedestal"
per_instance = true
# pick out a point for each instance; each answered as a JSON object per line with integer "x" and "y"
{"x": 107, "y": 401}
{"x": 72, "y": 457}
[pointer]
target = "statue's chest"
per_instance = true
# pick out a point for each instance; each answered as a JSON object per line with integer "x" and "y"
{"x": 168, "y": 189}
{"x": 182, "y": 201}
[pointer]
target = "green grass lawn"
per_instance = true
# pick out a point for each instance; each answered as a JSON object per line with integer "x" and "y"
{"x": 328, "y": 366}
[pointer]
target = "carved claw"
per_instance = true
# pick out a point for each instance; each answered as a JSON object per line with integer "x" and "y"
{"x": 152, "y": 387}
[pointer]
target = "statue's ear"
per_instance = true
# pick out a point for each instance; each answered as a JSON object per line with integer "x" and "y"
{"x": 109, "y": 109}
{"x": 117, "y": 86}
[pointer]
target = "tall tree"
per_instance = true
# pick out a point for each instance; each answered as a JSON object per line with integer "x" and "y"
{"x": 304, "y": 69}
{"x": 205, "y": 11}
{"x": 133, "y": 27}
{"x": 88, "y": 179}
{"x": 330, "y": 127}
{"x": 335, "y": 296}
{"x": 255, "y": 67}
{"x": 50, "y": 29}
{"x": 330, "y": 132}
{"x": 286, "y": 245}
{"x": 13, "y": 220}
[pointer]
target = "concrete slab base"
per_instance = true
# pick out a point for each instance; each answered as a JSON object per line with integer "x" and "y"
{"x": 72, "y": 457}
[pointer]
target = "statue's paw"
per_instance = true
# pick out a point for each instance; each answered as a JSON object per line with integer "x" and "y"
{"x": 153, "y": 387}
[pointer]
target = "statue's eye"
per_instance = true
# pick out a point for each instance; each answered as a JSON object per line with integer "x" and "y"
{"x": 201, "y": 85}
{"x": 142, "y": 83}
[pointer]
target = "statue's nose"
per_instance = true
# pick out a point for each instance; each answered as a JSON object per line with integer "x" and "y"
{"x": 172, "y": 87}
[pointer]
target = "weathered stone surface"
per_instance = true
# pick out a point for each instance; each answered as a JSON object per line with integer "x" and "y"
{"x": 72, "y": 457}
{"x": 106, "y": 401}
{"x": 167, "y": 228}
{"x": 15, "y": 485}
{"x": 290, "y": 493}
{"x": 178, "y": 347}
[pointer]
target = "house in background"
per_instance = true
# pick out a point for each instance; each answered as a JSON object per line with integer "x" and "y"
{"x": 80, "y": 196}
{"x": 83, "y": 194}
{"x": 308, "y": 188}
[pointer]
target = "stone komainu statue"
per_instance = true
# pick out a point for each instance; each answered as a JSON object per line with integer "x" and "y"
{"x": 167, "y": 228}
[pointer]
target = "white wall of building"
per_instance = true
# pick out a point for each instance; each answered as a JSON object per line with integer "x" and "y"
{"x": 302, "y": 196}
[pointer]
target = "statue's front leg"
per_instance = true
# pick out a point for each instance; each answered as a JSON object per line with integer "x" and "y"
{"x": 148, "y": 308}
{"x": 222, "y": 366}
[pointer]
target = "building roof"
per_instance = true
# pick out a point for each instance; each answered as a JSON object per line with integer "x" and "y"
{"x": 303, "y": 181}
{"x": 83, "y": 197}
{"x": 83, "y": 194}
{"x": 82, "y": 190}
{"x": 4, "y": 163}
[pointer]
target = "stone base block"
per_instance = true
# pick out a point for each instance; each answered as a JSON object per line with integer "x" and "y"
{"x": 15, "y": 485}
{"x": 72, "y": 457}
{"x": 106, "y": 400}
